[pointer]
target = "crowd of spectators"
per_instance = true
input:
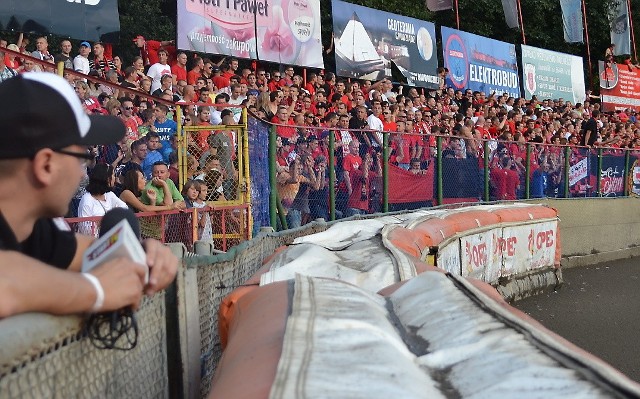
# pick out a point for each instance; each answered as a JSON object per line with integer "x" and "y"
{"x": 307, "y": 111}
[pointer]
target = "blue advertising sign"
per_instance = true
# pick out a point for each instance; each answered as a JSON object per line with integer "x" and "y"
{"x": 480, "y": 63}
{"x": 367, "y": 43}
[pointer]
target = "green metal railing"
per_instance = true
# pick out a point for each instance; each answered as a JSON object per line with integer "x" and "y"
{"x": 563, "y": 154}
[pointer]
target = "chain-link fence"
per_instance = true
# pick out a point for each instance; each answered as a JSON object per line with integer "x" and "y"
{"x": 218, "y": 276}
{"x": 409, "y": 170}
{"x": 50, "y": 357}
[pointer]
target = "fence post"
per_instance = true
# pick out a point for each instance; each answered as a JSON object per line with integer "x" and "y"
{"x": 439, "y": 163}
{"x": 332, "y": 175}
{"x": 182, "y": 149}
{"x": 626, "y": 174}
{"x": 247, "y": 174}
{"x": 486, "y": 170}
{"x": 567, "y": 169}
{"x": 527, "y": 177}
{"x": 599, "y": 172}
{"x": 385, "y": 172}
{"x": 273, "y": 207}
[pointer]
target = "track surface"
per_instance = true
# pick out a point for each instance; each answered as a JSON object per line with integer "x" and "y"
{"x": 598, "y": 309}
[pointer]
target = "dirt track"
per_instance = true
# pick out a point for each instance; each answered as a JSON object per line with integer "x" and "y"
{"x": 598, "y": 309}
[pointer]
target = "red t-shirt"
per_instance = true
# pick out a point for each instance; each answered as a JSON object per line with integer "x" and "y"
{"x": 220, "y": 81}
{"x": 149, "y": 52}
{"x": 361, "y": 190}
{"x": 192, "y": 76}
{"x": 180, "y": 72}
{"x": 351, "y": 162}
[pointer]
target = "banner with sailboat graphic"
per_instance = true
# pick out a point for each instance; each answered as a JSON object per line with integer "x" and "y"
{"x": 370, "y": 43}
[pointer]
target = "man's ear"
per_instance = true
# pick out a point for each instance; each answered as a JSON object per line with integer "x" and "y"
{"x": 43, "y": 167}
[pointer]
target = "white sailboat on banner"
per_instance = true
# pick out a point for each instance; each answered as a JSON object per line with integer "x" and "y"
{"x": 356, "y": 51}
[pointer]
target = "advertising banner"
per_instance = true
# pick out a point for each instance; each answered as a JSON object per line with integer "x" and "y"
{"x": 282, "y": 31}
{"x": 550, "y": 75}
{"x": 439, "y": 5}
{"x": 91, "y": 20}
{"x": 634, "y": 178}
{"x": 512, "y": 250}
{"x": 620, "y": 29}
{"x": 572, "y": 20}
{"x": 480, "y": 63}
{"x": 542, "y": 239}
{"x": 611, "y": 175}
{"x": 578, "y": 171}
{"x": 474, "y": 255}
{"x": 367, "y": 43}
{"x": 619, "y": 87}
{"x": 448, "y": 258}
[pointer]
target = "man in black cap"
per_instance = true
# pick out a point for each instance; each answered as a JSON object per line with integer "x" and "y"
{"x": 42, "y": 159}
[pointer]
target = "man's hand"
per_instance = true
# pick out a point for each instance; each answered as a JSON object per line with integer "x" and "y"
{"x": 122, "y": 281}
{"x": 163, "y": 266}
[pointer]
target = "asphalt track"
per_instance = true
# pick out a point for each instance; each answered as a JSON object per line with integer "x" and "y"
{"x": 598, "y": 309}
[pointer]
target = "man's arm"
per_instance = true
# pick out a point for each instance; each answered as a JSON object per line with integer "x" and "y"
{"x": 28, "y": 285}
{"x": 587, "y": 136}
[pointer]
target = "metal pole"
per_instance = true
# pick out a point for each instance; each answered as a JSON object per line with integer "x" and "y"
{"x": 486, "y": 170}
{"x": 247, "y": 174}
{"x": 527, "y": 177}
{"x": 457, "y": 16}
{"x": 586, "y": 39}
{"x": 567, "y": 167}
{"x": 332, "y": 175}
{"x": 182, "y": 149}
{"x": 626, "y": 175}
{"x": 385, "y": 172}
{"x": 599, "y": 172}
{"x": 524, "y": 39}
{"x": 439, "y": 162}
{"x": 273, "y": 199}
{"x": 633, "y": 38}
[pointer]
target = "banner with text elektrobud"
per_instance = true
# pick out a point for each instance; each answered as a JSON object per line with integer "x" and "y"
{"x": 87, "y": 20}
{"x": 367, "y": 43}
{"x": 282, "y": 31}
{"x": 549, "y": 74}
{"x": 480, "y": 63}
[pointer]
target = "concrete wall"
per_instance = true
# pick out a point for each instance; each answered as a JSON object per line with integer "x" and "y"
{"x": 594, "y": 230}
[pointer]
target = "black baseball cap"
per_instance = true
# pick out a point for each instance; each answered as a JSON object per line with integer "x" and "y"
{"x": 41, "y": 110}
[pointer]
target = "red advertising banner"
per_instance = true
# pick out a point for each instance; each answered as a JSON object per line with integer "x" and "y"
{"x": 619, "y": 86}
{"x": 407, "y": 187}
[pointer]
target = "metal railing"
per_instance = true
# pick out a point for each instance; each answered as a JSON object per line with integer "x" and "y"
{"x": 451, "y": 169}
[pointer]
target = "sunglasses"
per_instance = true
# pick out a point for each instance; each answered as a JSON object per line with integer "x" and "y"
{"x": 276, "y": 76}
{"x": 129, "y": 108}
{"x": 187, "y": 119}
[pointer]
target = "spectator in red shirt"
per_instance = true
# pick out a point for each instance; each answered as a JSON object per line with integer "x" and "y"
{"x": 361, "y": 179}
{"x": 179, "y": 69}
{"x": 149, "y": 49}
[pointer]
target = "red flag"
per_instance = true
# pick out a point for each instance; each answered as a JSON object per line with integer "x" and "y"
{"x": 406, "y": 187}
{"x": 439, "y": 5}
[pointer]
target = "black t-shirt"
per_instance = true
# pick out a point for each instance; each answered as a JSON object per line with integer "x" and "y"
{"x": 591, "y": 125}
{"x": 47, "y": 243}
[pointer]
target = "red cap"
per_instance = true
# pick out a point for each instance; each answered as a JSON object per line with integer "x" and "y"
{"x": 135, "y": 39}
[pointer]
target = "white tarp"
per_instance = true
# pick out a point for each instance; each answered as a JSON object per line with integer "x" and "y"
{"x": 343, "y": 342}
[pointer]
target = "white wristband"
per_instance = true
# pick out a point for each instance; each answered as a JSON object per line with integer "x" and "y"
{"x": 97, "y": 305}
